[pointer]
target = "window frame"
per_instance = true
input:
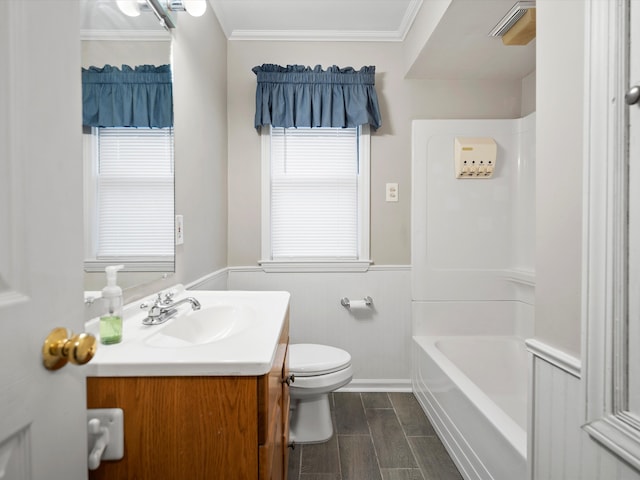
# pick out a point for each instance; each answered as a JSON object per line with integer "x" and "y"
{"x": 151, "y": 263}
{"x": 362, "y": 263}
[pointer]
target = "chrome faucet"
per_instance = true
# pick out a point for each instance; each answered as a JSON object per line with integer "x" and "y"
{"x": 163, "y": 310}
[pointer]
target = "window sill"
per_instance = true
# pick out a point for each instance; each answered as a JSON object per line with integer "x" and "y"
{"x": 283, "y": 266}
{"x": 139, "y": 265}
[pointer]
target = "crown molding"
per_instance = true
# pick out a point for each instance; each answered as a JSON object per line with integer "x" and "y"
{"x": 316, "y": 36}
{"x": 126, "y": 35}
{"x": 409, "y": 16}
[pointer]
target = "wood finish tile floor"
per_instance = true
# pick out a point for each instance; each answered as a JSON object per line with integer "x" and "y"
{"x": 377, "y": 436}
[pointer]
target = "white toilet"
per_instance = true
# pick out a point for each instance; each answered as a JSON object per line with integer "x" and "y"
{"x": 318, "y": 370}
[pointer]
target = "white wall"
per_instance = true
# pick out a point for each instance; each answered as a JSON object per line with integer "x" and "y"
{"x": 560, "y": 449}
{"x": 378, "y": 338}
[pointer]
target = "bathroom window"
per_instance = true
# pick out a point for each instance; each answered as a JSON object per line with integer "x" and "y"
{"x": 315, "y": 199}
{"x": 129, "y": 198}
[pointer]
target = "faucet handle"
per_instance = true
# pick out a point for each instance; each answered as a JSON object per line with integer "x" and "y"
{"x": 158, "y": 301}
{"x": 168, "y": 297}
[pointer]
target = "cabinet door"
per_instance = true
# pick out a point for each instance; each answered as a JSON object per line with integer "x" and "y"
{"x": 181, "y": 427}
{"x": 286, "y": 402}
{"x": 271, "y": 453}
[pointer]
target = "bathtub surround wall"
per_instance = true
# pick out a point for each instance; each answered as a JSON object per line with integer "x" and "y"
{"x": 473, "y": 292}
{"x": 473, "y": 238}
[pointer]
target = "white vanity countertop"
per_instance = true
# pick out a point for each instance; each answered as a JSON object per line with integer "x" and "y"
{"x": 146, "y": 351}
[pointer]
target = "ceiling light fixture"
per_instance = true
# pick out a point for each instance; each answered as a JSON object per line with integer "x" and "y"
{"x": 518, "y": 26}
{"x": 131, "y": 8}
{"x": 161, "y": 8}
{"x": 195, "y": 8}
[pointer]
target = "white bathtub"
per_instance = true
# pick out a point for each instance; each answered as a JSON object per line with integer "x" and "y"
{"x": 474, "y": 391}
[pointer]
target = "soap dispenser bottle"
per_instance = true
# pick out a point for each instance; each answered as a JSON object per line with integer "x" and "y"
{"x": 111, "y": 320}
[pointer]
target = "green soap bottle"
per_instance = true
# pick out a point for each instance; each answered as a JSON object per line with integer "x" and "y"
{"x": 111, "y": 321}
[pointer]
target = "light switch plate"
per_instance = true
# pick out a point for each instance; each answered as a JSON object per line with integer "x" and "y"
{"x": 113, "y": 420}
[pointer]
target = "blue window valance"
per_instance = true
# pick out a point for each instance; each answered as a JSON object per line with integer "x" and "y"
{"x": 127, "y": 97}
{"x": 299, "y": 96}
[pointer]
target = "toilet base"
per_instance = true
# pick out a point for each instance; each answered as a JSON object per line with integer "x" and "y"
{"x": 310, "y": 420}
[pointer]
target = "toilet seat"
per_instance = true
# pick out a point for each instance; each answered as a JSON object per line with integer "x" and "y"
{"x": 308, "y": 360}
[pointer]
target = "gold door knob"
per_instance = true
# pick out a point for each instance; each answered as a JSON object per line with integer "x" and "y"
{"x": 58, "y": 349}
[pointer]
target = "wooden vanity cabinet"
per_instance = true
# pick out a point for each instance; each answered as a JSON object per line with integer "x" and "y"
{"x": 175, "y": 428}
{"x": 273, "y": 415}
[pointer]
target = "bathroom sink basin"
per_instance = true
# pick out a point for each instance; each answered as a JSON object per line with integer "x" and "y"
{"x": 208, "y": 325}
{"x": 233, "y": 333}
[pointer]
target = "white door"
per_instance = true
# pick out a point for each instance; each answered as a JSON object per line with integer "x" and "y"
{"x": 42, "y": 413}
{"x": 633, "y": 100}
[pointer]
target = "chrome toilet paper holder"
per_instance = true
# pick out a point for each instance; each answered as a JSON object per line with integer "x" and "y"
{"x": 345, "y": 302}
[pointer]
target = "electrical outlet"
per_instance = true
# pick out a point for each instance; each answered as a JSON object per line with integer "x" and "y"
{"x": 179, "y": 230}
{"x": 392, "y": 192}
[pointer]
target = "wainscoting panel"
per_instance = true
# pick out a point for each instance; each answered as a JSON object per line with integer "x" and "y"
{"x": 560, "y": 449}
{"x": 378, "y": 338}
{"x": 214, "y": 281}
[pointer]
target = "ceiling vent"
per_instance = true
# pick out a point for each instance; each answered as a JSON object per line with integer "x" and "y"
{"x": 518, "y": 26}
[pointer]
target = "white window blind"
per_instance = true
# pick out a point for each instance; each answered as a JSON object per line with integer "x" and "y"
{"x": 314, "y": 193}
{"x": 135, "y": 195}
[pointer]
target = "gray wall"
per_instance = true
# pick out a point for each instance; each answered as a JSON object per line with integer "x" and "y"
{"x": 560, "y": 87}
{"x": 400, "y": 102}
{"x": 200, "y": 77}
{"x": 199, "y": 59}
{"x": 125, "y": 52}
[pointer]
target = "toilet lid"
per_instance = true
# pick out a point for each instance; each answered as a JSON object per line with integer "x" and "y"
{"x": 307, "y": 359}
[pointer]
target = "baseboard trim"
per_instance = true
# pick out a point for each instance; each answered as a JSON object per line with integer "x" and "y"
{"x": 378, "y": 385}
